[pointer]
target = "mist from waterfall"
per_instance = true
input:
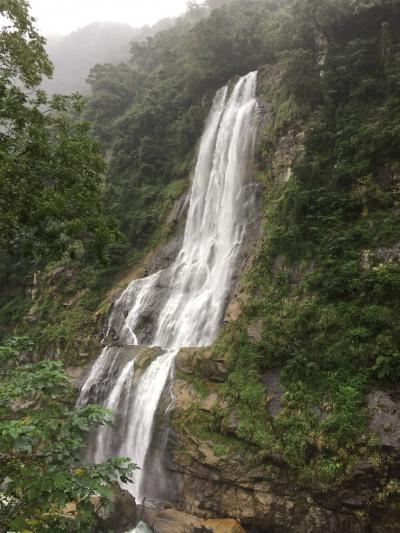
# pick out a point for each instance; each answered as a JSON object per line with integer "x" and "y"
{"x": 196, "y": 287}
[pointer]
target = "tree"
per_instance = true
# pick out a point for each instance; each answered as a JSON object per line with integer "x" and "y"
{"x": 45, "y": 485}
{"x": 50, "y": 169}
{"x": 215, "y": 4}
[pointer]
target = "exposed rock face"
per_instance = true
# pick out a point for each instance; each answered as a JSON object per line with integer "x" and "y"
{"x": 204, "y": 483}
{"x": 77, "y": 375}
{"x": 383, "y": 255}
{"x": 386, "y": 177}
{"x": 215, "y": 486}
{"x": 262, "y": 498}
{"x": 249, "y": 251}
{"x": 201, "y": 360}
{"x": 288, "y": 148}
{"x": 274, "y": 391}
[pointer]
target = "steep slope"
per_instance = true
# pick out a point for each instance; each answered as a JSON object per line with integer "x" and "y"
{"x": 290, "y": 422}
{"x": 293, "y": 416}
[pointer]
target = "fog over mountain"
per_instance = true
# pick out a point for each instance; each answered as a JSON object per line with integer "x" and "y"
{"x": 73, "y": 55}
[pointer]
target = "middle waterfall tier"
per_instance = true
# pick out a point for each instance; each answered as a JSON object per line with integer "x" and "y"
{"x": 183, "y": 305}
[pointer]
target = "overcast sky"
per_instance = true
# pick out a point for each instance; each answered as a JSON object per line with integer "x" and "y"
{"x": 64, "y": 16}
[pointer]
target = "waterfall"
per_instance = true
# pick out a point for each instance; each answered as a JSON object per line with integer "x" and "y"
{"x": 185, "y": 303}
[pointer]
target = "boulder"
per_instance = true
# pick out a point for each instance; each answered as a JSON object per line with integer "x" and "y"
{"x": 120, "y": 517}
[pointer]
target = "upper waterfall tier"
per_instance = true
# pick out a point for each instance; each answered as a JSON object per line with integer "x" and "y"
{"x": 199, "y": 281}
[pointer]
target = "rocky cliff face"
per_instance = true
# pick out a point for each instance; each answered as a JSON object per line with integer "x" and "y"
{"x": 212, "y": 481}
{"x": 214, "y": 474}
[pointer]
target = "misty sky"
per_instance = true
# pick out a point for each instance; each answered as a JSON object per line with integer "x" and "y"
{"x": 64, "y": 16}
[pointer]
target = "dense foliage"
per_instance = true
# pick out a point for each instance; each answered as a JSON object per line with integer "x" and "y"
{"x": 51, "y": 189}
{"x": 50, "y": 170}
{"x": 326, "y": 284}
{"x": 45, "y": 486}
{"x": 327, "y": 280}
{"x": 149, "y": 113}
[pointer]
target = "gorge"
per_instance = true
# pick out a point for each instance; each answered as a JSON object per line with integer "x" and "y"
{"x": 200, "y": 274}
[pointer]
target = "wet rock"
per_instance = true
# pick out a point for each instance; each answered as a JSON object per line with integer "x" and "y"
{"x": 385, "y": 418}
{"x": 142, "y": 527}
{"x": 149, "y": 309}
{"x": 118, "y": 357}
{"x": 165, "y": 256}
{"x": 179, "y": 209}
{"x": 120, "y": 517}
{"x": 174, "y": 521}
{"x": 274, "y": 390}
{"x": 146, "y": 356}
{"x": 224, "y": 526}
{"x": 143, "y": 355}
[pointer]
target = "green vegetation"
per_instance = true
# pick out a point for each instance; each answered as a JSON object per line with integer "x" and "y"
{"x": 149, "y": 114}
{"x": 326, "y": 283}
{"x": 50, "y": 170}
{"x": 45, "y": 486}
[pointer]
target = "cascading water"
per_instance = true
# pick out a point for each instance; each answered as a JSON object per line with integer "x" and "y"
{"x": 195, "y": 288}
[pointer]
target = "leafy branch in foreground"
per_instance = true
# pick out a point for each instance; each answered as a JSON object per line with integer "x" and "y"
{"x": 45, "y": 486}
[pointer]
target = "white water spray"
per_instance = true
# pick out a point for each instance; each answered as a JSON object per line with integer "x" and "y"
{"x": 198, "y": 283}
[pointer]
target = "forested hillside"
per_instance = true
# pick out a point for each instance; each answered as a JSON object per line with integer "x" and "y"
{"x": 75, "y": 54}
{"x": 291, "y": 421}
